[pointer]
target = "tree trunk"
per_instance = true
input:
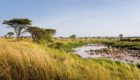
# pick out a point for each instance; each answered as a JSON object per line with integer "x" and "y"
{"x": 17, "y": 37}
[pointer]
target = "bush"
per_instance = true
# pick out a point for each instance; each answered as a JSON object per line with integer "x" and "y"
{"x": 58, "y": 45}
{"x": 138, "y": 65}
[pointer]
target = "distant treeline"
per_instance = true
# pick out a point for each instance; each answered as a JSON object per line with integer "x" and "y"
{"x": 131, "y": 39}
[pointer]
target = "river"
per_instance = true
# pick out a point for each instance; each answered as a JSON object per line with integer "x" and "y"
{"x": 102, "y": 51}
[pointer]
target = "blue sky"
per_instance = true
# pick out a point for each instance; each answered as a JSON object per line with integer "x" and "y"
{"x": 80, "y": 17}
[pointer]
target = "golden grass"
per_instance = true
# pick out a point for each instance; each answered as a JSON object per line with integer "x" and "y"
{"x": 28, "y": 61}
{"x": 25, "y": 61}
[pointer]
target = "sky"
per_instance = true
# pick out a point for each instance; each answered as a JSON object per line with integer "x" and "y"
{"x": 80, "y": 17}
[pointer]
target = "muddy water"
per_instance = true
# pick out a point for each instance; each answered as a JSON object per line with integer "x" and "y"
{"x": 101, "y": 51}
{"x": 84, "y": 50}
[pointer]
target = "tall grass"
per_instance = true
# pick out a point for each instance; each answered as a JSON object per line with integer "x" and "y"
{"x": 25, "y": 61}
{"x": 28, "y": 61}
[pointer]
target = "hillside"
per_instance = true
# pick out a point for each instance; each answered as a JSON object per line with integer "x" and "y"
{"x": 29, "y": 61}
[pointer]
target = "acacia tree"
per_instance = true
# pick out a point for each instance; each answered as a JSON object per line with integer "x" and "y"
{"x": 40, "y": 34}
{"x": 36, "y": 33}
{"x": 9, "y": 34}
{"x": 73, "y": 36}
{"x": 120, "y": 36}
{"x": 49, "y": 33}
{"x": 19, "y": 25}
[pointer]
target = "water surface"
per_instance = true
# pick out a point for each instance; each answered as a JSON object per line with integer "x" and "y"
{"x": 102, "y": 51}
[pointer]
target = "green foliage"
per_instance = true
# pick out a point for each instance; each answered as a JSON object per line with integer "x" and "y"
{"x": 50, "y": 31}
{"x": 56, "y": 45}
{"x": 16, "y": 21}
{"x": 138, "y": 65}
{"x": 10, "y": 34}
{"x": 40, "y": 34}
{"x": 120, "y": 36}
{"x": 19, "y": 25}
{"x": 73, "y": 36}
{"x": 69, "y": 46}
{"x": 36, "y": 33}
{"x": 124, "y": 44}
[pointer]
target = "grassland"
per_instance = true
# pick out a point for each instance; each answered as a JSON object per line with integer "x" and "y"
{"x": 130, "y": 44}
{"x": 29, "y": 61}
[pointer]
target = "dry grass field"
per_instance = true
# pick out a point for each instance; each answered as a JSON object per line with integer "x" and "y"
{"x": 28, "y": 61}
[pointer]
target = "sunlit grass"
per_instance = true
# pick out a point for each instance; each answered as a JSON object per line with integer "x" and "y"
{"x": 25, "y": 61}
{"x": 28, "y": 61}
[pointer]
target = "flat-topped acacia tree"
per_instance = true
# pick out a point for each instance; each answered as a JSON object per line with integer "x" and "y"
{"x": 49, "y": 33}
{"x": 73, "y": 37}
{"x": 19, "y": 25}
{"x": 41, "y": 34}
{"x": 36, "y": 33}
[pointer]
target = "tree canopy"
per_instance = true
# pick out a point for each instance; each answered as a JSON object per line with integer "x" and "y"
{"x": 39, "y": 34}
{"x": 19, "y": 25}
{"x": 50, "y": 31}
{"x": 73, "y": 36}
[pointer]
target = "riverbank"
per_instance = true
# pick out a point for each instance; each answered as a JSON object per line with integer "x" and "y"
{"x": 102, "y": 51}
